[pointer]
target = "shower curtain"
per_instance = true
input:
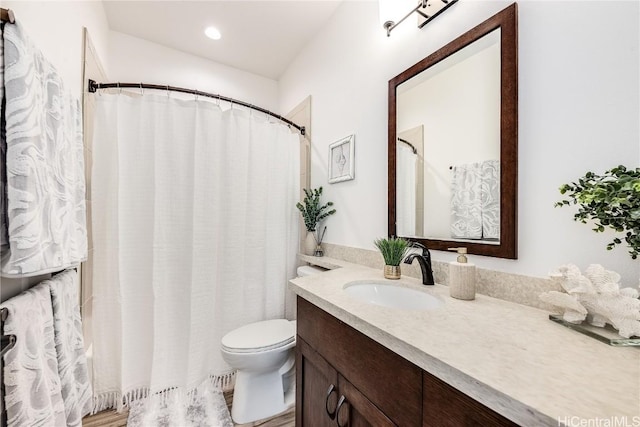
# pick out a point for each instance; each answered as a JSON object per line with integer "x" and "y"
{"x": 195, "y": 233}
{"x": 406, "y": 182}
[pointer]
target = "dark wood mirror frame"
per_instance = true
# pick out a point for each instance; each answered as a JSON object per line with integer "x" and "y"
{"x": 506, "y": 20}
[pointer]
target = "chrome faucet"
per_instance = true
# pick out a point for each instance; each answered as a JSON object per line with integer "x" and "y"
{"x": 424, "y": 260}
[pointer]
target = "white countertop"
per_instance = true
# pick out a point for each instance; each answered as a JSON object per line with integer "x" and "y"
{"x": 507, "y": 356}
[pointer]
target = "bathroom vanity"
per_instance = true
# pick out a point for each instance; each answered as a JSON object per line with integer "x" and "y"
{"x": 383, "y": 389}
{"x": 486, "y": 362}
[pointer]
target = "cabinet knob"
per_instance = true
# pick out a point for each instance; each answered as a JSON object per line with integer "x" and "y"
{"x": 330, "y": 391}
{"x": 340, "y": 403}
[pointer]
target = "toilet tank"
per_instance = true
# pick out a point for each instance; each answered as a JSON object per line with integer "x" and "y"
{"x": 290, "y": 301}
{"x": 309, "y": 270}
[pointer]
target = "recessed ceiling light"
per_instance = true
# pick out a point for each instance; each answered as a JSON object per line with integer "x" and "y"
{"x": 212, "y": 33}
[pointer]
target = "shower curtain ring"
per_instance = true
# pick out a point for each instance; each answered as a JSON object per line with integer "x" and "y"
{"x": 119, "y": 89}
{"x": 168, "y": 92}
{"x": 141, "y": 89}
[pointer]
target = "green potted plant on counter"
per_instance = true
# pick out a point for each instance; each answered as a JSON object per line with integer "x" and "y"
{"x": 313, "y": 212}
{"x": 393, "y": 251}
{"x": 610, "y": 200}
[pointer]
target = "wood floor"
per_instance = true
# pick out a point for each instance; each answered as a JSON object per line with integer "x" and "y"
{"x": 113, "y": 419}
{"x": 106, "y": 419}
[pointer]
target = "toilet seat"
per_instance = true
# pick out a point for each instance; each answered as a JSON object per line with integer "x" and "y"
{"x": 260, "y": 336}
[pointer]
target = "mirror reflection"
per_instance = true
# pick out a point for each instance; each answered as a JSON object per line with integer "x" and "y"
{"x": 453, "y": 143}
{"x": 448, "y": 147}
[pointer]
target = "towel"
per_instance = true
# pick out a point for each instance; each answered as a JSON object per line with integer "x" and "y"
{"x": 4, "y": 239}
{"x": 44, "y": 164}
{"x": 490, "y": 197}
{"x": 466, "y": 205}
{"x": 72, "y": 362}
{"x": 33, "y": 395}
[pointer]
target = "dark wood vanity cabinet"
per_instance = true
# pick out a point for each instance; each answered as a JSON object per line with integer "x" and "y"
{"x": 344, "y": 378}
{"x": 328, "y": 399}
{"x": 444, "y": 406}
{"x": 319, "y": 391}
{"x": 380, "y": 388}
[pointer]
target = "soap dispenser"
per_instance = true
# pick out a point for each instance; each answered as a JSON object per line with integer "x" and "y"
{"x": 462, "y": 276}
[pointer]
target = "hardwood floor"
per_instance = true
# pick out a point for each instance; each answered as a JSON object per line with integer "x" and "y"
{"x": 113, "y": 419}
{"x": 106, "y": 419}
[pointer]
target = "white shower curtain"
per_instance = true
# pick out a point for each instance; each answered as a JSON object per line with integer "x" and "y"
{"x": 406, "y": 182}
{"x": 195, "y": 233}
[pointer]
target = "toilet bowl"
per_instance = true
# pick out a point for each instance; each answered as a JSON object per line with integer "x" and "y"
{"x": 263, "y": 354}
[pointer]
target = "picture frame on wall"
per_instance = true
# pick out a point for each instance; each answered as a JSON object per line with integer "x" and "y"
{"x": 342, "y": 160}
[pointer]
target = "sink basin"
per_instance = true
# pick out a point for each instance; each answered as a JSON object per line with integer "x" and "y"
{"x": 394, "y": 296}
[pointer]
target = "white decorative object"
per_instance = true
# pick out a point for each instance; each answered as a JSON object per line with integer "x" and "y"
{"x": 342, "y": 160}
{"x": 596, "y": 296}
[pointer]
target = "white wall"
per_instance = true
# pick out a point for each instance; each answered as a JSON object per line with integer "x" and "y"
{"x": 579, "y": 111}
{"x": 136, "y": 60}
{"x": 56, "y": 29}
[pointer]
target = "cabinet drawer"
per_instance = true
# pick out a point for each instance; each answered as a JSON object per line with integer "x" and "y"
{"x": 390, "y": 382}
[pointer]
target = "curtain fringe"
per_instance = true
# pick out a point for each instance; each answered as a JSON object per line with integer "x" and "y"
{"x": 119, "y": 401}
{"x": 105, "y": 401}
{"x": 224, "y": 382}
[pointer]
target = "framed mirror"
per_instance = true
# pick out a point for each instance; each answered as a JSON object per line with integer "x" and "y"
{"x": 453, "y": 143}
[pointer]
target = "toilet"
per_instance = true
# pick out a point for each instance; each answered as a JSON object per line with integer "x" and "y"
{"x": 263, "y": 354}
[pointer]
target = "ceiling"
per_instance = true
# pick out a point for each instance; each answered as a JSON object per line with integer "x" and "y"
{"x": 261, "y": 37}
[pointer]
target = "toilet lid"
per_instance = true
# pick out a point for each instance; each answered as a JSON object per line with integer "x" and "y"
{"x": 260, "y": 336}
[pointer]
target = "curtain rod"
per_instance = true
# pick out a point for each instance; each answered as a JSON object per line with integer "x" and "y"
{"x": 409, "y": 144}
{"x": 93, "y": 87}
{"x": 6, "y": 15}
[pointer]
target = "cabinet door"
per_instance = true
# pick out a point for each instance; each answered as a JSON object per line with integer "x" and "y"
{"x": 355, "y": 410}
{"x": 444, "y": 406}
{"x": 316, "y": 388}
{"x": 391, "y": 383}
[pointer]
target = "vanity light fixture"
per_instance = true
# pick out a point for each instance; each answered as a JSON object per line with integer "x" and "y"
{"x": 213, "y": 33}
{"x": 391, "y": 14}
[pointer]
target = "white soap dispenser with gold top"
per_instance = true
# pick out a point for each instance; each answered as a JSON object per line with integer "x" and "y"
{"x": 462, "y": 276}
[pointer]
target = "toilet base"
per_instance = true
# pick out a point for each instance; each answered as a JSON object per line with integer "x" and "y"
{"x": 259, "y": 396}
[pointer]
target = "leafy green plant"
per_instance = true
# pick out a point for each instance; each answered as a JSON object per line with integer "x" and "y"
{"x": 393, "y": 249}
{"x": 312, "y": 210}
{"x": 611, "y": 200}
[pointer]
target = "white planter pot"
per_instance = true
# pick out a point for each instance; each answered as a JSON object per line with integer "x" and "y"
{"x": 309, "y": 244}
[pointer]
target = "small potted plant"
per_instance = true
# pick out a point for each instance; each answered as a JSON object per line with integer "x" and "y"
{"x": 313, "y": 211}
{"x": 393, "y": 251}
{"x": 610, "y": 200}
